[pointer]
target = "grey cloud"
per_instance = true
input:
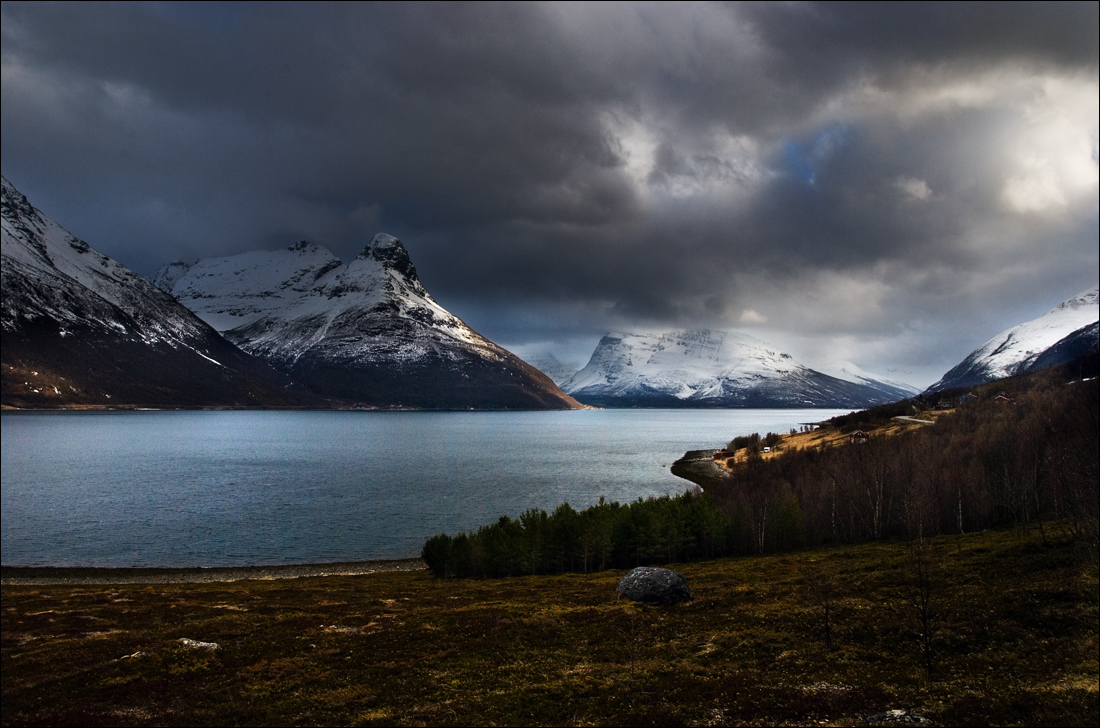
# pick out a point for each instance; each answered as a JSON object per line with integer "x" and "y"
{"x": 832, "y": 40}
{"x": 785, "y": 143}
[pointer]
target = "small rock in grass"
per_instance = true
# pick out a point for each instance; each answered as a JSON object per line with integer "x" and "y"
{"x": 199, "y": 645}
{"x": 656, "y": 586}
{"x": 904, "y": 717}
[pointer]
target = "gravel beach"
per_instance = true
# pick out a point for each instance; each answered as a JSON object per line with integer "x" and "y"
{"x": 43, "y": 575}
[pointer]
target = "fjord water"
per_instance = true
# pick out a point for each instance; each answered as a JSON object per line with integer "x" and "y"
{"x": 265, "y": 488}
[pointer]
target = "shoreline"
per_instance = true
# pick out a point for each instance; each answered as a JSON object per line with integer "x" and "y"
{"x": 697, "y": 466}
{"x": 80, "y": 575}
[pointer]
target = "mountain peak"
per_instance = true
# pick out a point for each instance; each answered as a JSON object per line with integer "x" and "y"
{"x": 388, "y": 250}
{"x": 1086, "y": 298}
{"x": 303, "y": 246}
{"x": 708, "y": 368}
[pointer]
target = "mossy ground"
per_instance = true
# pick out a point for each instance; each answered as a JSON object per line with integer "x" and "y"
{"x": 1014, "y": 643}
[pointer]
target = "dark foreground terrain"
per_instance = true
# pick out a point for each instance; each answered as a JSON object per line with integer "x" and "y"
{"x": 1010, "y": 618}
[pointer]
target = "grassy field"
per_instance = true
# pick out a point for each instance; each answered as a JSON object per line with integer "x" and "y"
{"x": 1012, "y": 620}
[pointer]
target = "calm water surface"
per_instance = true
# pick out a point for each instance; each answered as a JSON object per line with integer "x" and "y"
{"x": 240, "y": 488}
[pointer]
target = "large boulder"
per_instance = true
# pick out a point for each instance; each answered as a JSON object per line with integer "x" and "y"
{"x": 656, "y": 586}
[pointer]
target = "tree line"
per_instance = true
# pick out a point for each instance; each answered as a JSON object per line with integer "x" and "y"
{"x": 608, "y": 535}
{"x": 1022, "y": 451}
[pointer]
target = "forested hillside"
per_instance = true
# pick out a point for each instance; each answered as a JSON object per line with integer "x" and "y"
{"x": 1019, "y": 451}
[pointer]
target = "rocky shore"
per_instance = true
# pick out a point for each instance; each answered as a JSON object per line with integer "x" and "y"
{"x": 699, "y": 467}
{"x": 43, "y": 575}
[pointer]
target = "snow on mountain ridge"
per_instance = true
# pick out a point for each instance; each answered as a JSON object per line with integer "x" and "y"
{"x": 1013, "y": 350}
{"x": 37, "y": 248}
{"x": 1083, "y": 299}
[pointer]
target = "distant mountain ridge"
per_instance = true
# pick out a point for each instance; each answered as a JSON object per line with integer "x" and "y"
{"x": 366, "y": 331}
{"x": 553, "y": 367}
{"x": 80, "y": 329}
{"x": 1058, "y": 336}
{"x": 706, "y": 368}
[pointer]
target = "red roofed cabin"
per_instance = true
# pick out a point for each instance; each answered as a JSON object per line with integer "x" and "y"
{"x": 858, "y": 437}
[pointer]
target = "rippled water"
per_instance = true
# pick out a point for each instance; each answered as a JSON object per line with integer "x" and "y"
{"x": 238, "y": 488}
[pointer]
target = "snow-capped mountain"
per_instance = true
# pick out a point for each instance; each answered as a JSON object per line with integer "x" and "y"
{"x": 366, "y": 330}
{"x": 82, "y": 329}
{"x": 893, "y": 389}
{"x": 709, "y": 369}
{"x": 1057, "y": 336}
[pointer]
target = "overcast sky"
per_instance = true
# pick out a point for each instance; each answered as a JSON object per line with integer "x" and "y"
{"x": 890, "y": 184}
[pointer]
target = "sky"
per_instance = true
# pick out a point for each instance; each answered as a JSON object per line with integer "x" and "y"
{"x": 885, "y": 183}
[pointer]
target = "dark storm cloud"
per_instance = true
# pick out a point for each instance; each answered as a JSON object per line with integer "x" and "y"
{"x": 848, "y": 170}
{"x": 829, "y": 40}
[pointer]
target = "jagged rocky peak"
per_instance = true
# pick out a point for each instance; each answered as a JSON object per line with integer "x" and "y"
{"x": 388, "y": 250}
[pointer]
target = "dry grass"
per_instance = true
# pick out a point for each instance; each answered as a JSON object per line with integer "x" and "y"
{"x": 832, "y": 437}
{"x": 1015, "y": 644}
